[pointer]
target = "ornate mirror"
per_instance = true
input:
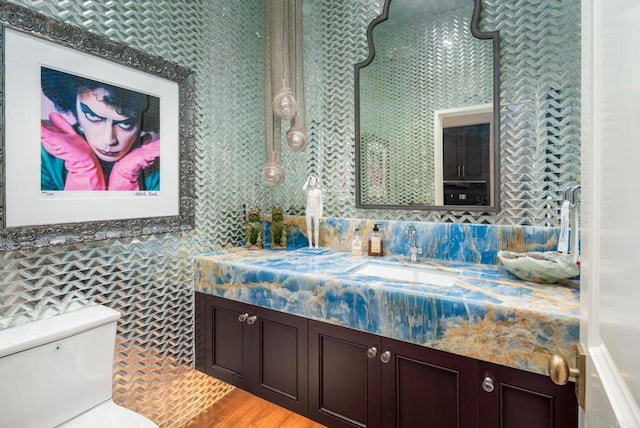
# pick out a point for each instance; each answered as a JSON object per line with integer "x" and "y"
{"x": 427, "y": 109}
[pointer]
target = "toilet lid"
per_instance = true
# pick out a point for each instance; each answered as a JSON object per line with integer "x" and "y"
{"x": 109, "y": 415}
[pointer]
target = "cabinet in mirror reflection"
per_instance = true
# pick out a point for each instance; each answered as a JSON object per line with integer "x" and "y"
{"x": 463, "y": 144}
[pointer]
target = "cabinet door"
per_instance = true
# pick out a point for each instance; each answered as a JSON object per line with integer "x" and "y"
{"x": 256, "y": 349}
{"x": 451, "y": 168}
{"x": 426, "y": 387}
{"x": 280, "y": 358}
{"x": 521, "y": 399}
{"x": 466, "y": 152}
{"x": 474, "y": 152}
{"x": 227, "y": 341}
{"x": 344, "y": 376}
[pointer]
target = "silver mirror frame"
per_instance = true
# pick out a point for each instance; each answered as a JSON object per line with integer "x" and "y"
{"x": 18, "y": 238}
{"x": 495, "y": 187}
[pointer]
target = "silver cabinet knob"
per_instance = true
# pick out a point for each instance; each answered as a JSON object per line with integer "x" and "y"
{"x": 372, "y": 352}
{"x": 243, "y": 317}
{"x": 251, "y": 319}
{"x": 487, "y": 384}
{"x": 385, "y": 357}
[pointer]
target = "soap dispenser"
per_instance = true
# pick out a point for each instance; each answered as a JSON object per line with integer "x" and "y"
{"x": 356, "y": 243}
{"x": 376, "y": 245}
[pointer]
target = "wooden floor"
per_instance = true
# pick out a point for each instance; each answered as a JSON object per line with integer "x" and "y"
{"x": 239, "y": 409}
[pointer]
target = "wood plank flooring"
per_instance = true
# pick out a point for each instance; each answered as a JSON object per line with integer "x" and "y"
{"x": 239, "y": 409}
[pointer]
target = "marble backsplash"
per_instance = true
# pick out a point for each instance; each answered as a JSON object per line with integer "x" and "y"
{"x": 470, "y": 243}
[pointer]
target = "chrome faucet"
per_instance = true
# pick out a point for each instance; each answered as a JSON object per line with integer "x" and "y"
{"x": 413, "y": 248}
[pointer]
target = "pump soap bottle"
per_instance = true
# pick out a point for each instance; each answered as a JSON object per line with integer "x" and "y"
{"x": 356, "y": 243}
{"x": 376, "y": 245}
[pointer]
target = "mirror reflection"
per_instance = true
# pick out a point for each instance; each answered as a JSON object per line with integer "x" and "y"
{"x": 426, "y": 114}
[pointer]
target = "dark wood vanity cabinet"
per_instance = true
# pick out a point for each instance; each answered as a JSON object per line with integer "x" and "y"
{"x": 342, "y": 377}
{"x": 256, "y": 349}
{"x": 511, "y": 398}
{"x": 426, "y": 387}
{"x": 357, "y": 379}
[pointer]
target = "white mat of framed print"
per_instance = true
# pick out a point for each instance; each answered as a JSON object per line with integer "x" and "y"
{"x": 28, "y": 202}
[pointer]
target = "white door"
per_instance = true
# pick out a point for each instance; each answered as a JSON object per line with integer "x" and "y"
{"x": 610, "y": 276}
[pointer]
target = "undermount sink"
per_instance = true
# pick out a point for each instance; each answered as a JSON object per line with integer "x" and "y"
{"x": 405, "y": 273}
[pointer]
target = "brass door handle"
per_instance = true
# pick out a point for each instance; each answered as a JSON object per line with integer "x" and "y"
{"x": 560, "y": 372}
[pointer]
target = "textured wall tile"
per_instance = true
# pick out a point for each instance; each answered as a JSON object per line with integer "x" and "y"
{"x": 149, "y": 279}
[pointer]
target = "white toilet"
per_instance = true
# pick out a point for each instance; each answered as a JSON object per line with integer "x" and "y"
{"x": 57, "y": 372}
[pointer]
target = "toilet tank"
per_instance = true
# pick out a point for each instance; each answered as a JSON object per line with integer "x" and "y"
{"x": 54, "y": 369}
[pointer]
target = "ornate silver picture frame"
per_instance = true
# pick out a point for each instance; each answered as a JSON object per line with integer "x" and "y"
{"x": 140, "y": 179}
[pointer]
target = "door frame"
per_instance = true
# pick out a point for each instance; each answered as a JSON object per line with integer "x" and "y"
{"x": 609, "y": 100}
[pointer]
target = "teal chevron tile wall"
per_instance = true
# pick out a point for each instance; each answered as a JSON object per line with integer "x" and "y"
{"x": 149, "y": 279}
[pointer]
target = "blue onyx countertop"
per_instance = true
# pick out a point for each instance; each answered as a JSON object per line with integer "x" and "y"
{"x": 487, "y": 314}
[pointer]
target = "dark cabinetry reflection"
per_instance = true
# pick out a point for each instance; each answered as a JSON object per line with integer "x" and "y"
{"x": 466, "y": 164}
{"x": 466, "y": 194}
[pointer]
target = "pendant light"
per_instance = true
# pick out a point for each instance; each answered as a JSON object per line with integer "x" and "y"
{"x": 297, "y": 134}
{"x": 272, "y": 171}
{"x": 284, "y": 103}
{"x": 283, "y": 70}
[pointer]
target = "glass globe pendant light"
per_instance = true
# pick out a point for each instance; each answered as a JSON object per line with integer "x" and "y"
{"x": 297, "y": 139}
{"x": 272, "y": 171}
{"x": 283, "y": 67}
{"x": 297, "y": 135}
{"x": 284, "y": 102}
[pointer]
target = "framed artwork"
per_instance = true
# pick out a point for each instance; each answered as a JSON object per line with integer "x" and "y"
{"x": 98, "y": 137}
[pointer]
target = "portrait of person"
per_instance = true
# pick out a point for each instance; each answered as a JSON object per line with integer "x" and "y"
{"x": 97, "y": 136}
